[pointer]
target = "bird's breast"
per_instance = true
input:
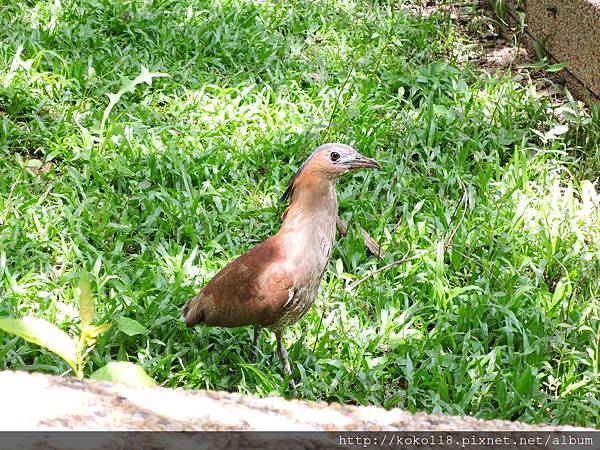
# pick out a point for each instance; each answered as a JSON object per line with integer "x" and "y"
{"x": 308, "y": 253}
{"x": 309, "y": 249}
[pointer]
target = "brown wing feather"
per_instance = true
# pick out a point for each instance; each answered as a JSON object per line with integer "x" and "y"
{"x": 250, "y": 290}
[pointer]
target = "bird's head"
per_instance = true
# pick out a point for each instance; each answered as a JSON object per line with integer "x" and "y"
{"x": 330, "y": 161}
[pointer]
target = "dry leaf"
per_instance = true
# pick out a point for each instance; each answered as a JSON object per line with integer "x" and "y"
{"x": 341, "y": 226}
{"x": 36, "y": 166}
{"x": 372, "y": 246}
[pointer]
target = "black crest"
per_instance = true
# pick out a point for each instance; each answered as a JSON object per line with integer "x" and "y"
{"x": 289, "y": 191}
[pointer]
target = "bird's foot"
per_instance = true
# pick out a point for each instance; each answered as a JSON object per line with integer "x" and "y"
{"x": 293, "y": 388}
{"x": 257, "y": 330}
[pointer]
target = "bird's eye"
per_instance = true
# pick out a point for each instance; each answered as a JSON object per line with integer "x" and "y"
{"x": 334, "y": 156}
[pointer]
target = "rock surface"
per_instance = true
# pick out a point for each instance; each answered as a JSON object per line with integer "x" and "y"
{"x": 43, "y": 402}
{"x": 569, "y": 31}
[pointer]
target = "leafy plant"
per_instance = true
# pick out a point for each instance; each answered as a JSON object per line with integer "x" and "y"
{"x": 502, "y": 324}
{"x": 500, "y": 10}
{"x": 127, "y": 85}
{"x": 74, "y": 351}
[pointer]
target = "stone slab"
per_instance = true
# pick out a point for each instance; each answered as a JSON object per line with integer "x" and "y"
{"x": 34, "y": 401}
{"x": 569, "y": 30}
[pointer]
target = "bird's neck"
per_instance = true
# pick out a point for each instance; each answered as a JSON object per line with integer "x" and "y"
{"x": 313, "y": 205}
{"x": 308, "y": 230}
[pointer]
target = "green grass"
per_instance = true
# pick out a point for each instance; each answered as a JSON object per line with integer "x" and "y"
{"x": 186, "y": 174}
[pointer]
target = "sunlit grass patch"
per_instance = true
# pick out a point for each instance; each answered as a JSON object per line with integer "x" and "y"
{"x": 185, "y": 173}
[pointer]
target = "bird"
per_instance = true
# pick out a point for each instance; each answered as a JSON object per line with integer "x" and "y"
{"x": 275, "y": 283}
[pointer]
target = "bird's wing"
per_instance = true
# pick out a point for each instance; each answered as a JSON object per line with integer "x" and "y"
{"x": 252, "y": 289}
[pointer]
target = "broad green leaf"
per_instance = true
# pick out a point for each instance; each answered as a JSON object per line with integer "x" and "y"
{"x": 127, "y": 85}
{"x": 86, "y": 300}
{"x": 131, "y": 327}
{"x": 439, "y": 259}
{"x": 538, "y": 65}
{"x": 93, "y": 331}
{"x": 557, "y": 131}
{"x": 397, "y": 339}
{"x": 34, "y": 163}
{"x": 339, "y": 266}
{"x": 43, "y": 333}
{"x": 146, "y": 76}
{"x": 574, "y": 386}
{"x": 556, "y": 67}
{"x": 125, "y": 373}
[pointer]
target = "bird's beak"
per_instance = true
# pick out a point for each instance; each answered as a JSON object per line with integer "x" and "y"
{"x": 359, "y": 161}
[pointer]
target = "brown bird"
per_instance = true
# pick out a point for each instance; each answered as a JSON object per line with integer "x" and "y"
{"x": 275, "y": 283}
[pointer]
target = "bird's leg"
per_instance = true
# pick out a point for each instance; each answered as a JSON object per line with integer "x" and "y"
{"x": 285, "y": 361}
{"x": 257, "y": 330}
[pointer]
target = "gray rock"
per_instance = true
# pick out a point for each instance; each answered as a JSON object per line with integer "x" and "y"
{"x": 33, "y": 401}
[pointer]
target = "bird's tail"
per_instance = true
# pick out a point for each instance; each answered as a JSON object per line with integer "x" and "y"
{"x": 192, "y": 312}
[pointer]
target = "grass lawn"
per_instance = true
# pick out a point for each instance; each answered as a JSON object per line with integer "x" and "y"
{"x": 152, "y": 188}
